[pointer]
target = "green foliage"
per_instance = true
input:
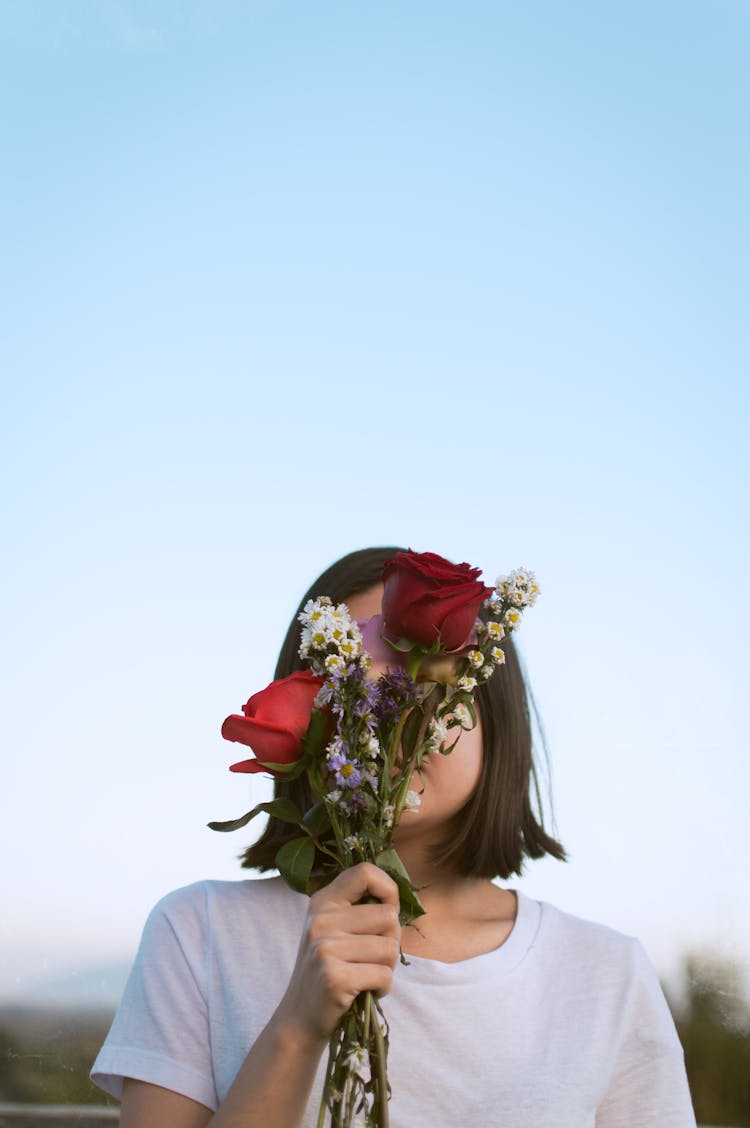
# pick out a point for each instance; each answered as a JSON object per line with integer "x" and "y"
{"x": 45, "y": 1056}
{"x": 411, "y": 906}
{"x": 294, "y": 862}
{"x": 714, "y": 1028}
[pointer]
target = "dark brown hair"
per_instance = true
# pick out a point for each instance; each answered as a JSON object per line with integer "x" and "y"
{"x": 502, "y": 823}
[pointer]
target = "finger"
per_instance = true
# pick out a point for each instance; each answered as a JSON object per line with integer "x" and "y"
{"x": 351, "y": 885}
{"x": 370, "y": 977}
{"x": 333, "y": 919}
{"x": 380, "y": 950}
{"x": 375, "y": 919}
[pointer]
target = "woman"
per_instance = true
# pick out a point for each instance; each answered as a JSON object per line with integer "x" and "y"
{"x": 509, "y": 1012}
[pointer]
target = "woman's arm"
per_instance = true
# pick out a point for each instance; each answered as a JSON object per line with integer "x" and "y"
{"x": 272, "y": 1088}
{"x": 649, "y": 1086}
{"x": 346, "y": 947}
{"x": 150, "y": 1106}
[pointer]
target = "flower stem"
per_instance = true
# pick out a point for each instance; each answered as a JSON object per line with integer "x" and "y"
{"x": 382, "y": 1078}
{"x": 429, "y": 712}
{"x": 368, "y": 1012}
{"x": 414, "y": 660}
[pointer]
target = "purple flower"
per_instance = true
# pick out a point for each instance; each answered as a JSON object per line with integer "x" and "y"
{"x": 397, "y": 692}
{"x": 401, "y": 683}
{"x": 387, "y": 707}
{"x": 348, "y": 775}
{"x": 367, "y": 702}
{"x": 346, "y": 772}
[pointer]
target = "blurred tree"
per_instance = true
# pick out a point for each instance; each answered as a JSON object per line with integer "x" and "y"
{"x": 713, "y": 1022}
{"x": 45, "y": 1057}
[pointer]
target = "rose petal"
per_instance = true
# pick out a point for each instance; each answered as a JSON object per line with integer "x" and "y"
{"x": 269, "y": 742}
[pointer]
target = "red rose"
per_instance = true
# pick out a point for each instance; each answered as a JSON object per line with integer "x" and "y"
{"x": 275, "y": 721}
{"x": 426, "y": 598}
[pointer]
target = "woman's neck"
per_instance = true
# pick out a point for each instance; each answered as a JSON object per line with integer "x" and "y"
{"x": 464, "y": 916}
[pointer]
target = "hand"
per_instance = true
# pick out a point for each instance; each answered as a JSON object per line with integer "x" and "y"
{"x": 346, "y": 947}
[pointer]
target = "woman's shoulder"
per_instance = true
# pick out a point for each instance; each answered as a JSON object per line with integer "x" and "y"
{"x": 212, "y": 904}
{"x": 589, "y": 945}
{"x": 584, "y": 962}
{"x": 255, "y": 889}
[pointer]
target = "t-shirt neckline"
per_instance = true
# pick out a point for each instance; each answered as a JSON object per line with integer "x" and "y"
{"x": 500, "y": 960}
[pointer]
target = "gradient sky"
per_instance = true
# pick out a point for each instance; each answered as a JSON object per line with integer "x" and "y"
{"x": 280, "y": 280}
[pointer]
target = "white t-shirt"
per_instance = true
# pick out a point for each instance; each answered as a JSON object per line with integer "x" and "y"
{"x": 563, "y": 1026}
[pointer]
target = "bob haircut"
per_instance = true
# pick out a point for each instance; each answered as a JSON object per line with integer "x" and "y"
{"x": 499, "y": 827}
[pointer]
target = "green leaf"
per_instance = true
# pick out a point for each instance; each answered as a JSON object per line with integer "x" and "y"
{"x": 318, "y": 881}
{"x": 317, "y": 820}
{"x": 410, "y": 732}
{"x": 291, "y": 771}
{"x": 390, "y": 861}
{"x": 313, "y": 739}
{"x": 236, "y": 824}
{"x": 402, "y": 644}
{"x": 283, "y": 809}
{"x": 411, "y": 906}
{"x": 447, "y": 751}
{"x": 294, "y": 862}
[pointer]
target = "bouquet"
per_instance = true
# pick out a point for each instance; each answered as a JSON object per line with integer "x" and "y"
{"x": 362, "y": 741}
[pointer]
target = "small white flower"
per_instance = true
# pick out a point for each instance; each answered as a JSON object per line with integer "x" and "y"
{"x": 371, "y": 745}
{"x": 520, "y": 588}
{"x": 335, "y": 664}
{"x": 311, "y": 608}
{"x": 476, "y": 658}
{"x": 512, "y": 618}
{"x": 496, "y": 630}
{"x": 462, "y": 716}
{"x": 412, "y": 801}
{"x": 486, "y": 672}
{"x": 498, "y": 655}
{"x": 352, "y": 842}
{"x": 333, "y": 797}
{"x": 438, "y": 730}
{"x": 358, "y": 1061}
{"x": 315, "y": 612}
{"x": 467, "y": 683}
{"x": 388, "y": 812}
{"x": 368, "y": 777}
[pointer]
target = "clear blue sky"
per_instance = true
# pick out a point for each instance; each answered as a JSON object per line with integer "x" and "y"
{"x": 279, "y": 280}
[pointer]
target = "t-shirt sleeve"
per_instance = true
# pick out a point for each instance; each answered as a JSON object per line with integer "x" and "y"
{"x": 160, "y": 1033}
{"x": 649, "y": 1085}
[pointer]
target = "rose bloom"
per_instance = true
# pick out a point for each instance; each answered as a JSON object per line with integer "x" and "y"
{"x": 426, "y": 598}
{"x": 275, "y": 721}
